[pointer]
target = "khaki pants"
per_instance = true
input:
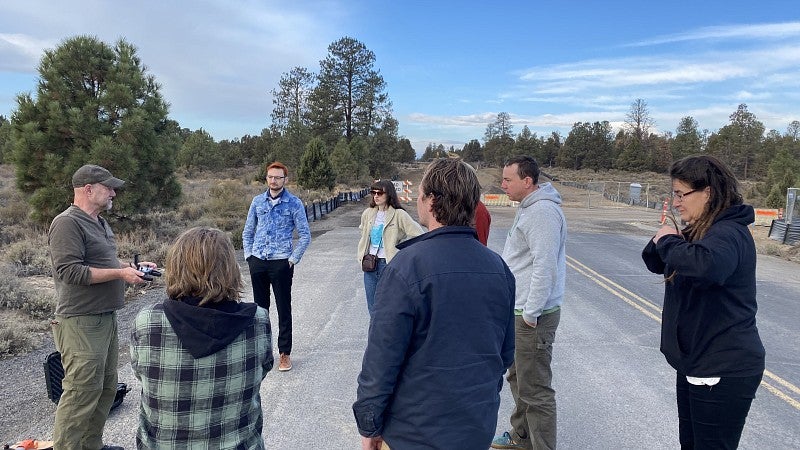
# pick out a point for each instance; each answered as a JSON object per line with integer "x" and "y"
{"x": 89, "y": 352}
{"x": 530, "y": 377}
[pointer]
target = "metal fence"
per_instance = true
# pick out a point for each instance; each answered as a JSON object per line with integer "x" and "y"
{"x": 647, "y": 195}
{"x": 317, "y": 210}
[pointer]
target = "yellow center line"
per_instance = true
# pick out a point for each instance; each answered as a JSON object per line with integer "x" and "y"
{"x": 617, "y": 286}
{"x": 643, "y": 304}
{"x": 776, "y": 392}
{"x": 601, "y": 281}
{"x": 780, "y": 380}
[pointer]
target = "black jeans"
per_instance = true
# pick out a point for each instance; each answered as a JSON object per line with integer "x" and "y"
{"x": 714, "y": 416}
{"x": 278, "y": 273}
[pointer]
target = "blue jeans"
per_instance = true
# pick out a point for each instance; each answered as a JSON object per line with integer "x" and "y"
{"x": 714, "y": 416}
{"x": 371, "y": 283}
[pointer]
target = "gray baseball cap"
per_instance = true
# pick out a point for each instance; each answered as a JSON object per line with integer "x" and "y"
{"x": 91, "y": 174}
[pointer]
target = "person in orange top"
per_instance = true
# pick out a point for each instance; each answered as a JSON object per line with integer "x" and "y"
{"x": 482, "y": 222}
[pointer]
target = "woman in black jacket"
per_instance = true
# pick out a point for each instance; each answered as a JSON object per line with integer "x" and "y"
{"x": 708, "y": 330}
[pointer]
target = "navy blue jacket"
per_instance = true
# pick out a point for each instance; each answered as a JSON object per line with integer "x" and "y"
{"x": 441, "y": 337}
{"x": 708, "y": 324}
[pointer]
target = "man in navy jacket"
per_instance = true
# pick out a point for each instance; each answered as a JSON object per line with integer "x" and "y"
{"x": 442, "y": 332}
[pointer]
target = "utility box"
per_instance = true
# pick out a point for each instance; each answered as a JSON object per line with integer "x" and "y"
{"x": 635, "y": 194}
{"x": 787, "y": 229}
{"x": 792, "y": 214}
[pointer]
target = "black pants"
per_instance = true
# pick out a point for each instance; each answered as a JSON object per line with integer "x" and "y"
{"x": 277, "y": 273}
{"x": 713, "y": 416}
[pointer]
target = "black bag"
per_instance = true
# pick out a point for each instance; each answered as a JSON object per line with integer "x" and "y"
{"x": 54, "y": 373}
{"x": 369, "y": 263}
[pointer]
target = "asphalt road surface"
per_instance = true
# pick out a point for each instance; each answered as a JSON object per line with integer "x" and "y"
{"x": 614, "y": 388}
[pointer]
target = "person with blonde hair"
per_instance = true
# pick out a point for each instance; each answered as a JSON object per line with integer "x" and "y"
{"x": 708, "y": 329}
{"x": 201, "y": 354}
{"x": 383, "y": 225}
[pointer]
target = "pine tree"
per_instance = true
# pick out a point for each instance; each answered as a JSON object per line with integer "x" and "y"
{"x": 316, "y": 171}
{"x": 5, "y": 138}
{"x": 94, "y": 104}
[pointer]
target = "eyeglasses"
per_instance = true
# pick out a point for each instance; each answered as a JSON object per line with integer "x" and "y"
{"x": 679, "y": 196}
{"x": 275, "y": 177}
{"x": 378, "y": 193}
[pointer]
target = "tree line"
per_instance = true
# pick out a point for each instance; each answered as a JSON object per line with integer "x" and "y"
{"x": 97, "y": 102}
{"x": 772, "y": 157}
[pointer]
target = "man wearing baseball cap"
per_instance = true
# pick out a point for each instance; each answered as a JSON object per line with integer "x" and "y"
{"x": 90, "y": 286}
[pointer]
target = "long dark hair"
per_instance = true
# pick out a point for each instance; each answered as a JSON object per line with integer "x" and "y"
{"x": 391, "y": 194}
{"x": 702, "y": 172}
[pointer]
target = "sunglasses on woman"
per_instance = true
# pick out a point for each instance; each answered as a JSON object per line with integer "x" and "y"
{"x": 378, "y": 193}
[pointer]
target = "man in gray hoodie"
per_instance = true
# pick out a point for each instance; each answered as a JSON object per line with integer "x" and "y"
{"x": 535, "y": 253}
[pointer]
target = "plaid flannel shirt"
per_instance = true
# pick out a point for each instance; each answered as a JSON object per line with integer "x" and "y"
{"x": 206, "y": 403}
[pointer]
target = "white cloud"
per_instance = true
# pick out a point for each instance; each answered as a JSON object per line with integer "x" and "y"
{"x": 746, "y": 96}
{"x": 215, "y": 59}
{"x": 626, "y": 72}
{"x": 21, "y": 52}
{"x": 767, "y": 31}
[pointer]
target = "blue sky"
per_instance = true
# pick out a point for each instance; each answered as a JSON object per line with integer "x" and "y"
{"x": 450, "y": 66}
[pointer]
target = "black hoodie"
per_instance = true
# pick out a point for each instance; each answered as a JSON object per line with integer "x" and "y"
{"x": 204, "y": 330}
{"x": 709, "y": 319}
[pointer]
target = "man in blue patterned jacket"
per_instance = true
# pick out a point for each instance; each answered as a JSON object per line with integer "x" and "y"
{"x": 271, "y": 254}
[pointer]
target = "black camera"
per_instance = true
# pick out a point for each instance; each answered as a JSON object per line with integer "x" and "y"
{"x": 148, "y": 271}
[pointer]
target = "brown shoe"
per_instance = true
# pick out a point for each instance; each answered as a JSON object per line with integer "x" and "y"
{"x": 286, "y": 363}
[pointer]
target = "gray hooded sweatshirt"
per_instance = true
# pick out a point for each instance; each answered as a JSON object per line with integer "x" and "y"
{"x": 535, "y": 251}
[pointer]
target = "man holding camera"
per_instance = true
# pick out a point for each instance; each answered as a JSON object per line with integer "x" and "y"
{"x": 268, "y": 248}
{"x": 90, "y": 286}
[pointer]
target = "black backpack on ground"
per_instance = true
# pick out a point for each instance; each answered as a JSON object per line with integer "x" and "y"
{"x": 54, "y": 373}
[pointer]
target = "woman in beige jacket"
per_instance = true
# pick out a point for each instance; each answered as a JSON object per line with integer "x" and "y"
{"x": 383, "y": 225}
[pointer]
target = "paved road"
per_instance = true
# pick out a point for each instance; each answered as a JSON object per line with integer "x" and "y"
{"x": 614, "y": 388}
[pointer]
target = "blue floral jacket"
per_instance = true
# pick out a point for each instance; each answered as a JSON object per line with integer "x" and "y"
{"x": 268, "y": 231}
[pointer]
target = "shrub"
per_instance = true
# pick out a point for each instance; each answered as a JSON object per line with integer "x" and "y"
{"x": 228, "y": 198}
{"x": 13, "y": 233}
{"x": 15, "y": 339}
{"x": 236, "y": 236}
{"x": 40, "y": 305}
{"x": 13, "y": 208}
{"x": 190, "y": 211}
{"x": 30, "y": 256}
{"x": 135, "y": 243}
{"x": 13, "y": 292}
